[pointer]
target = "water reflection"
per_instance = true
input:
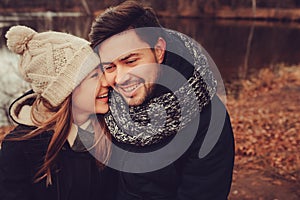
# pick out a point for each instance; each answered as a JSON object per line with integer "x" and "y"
{"x": 226, "y": 41}
{"x": 79, "y": 26}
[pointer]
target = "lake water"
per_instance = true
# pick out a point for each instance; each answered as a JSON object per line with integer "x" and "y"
{"x": 238, "y": 48}
{"x": 227, "y": 41}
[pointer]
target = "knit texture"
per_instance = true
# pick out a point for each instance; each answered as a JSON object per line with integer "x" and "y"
{"x": 54, "y": 63}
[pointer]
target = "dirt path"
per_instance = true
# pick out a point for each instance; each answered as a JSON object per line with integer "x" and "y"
{"x": 253, "y": 184}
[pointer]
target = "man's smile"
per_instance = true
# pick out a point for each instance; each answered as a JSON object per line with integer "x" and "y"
{"x": 128, "y": 89}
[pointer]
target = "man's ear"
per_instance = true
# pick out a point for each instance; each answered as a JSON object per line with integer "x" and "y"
{"x": 159, "y": 49}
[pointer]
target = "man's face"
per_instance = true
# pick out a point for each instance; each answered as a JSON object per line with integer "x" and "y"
{"x": 130, "y": 66}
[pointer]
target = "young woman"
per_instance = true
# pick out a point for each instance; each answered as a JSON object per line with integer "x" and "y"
{"x": 51, "y": 152}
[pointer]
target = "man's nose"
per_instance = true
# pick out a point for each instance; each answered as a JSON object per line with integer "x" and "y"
{"x": 121, "y": 74}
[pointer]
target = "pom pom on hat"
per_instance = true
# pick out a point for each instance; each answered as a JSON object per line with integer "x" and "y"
{"x": 18, "y": 38}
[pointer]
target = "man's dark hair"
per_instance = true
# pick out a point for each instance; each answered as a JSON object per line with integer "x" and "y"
{"x": 125, "y": 16}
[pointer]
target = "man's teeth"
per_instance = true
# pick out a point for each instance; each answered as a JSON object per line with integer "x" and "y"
{"x": 102, "y": 96}
{"x": 130, "y": 88}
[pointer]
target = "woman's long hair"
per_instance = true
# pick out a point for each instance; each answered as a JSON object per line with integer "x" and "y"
{"x": 102, "y": 141}
{"x": 60, "y": 122}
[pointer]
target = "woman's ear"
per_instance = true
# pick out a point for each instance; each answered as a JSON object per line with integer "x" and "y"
{"x": 160, "y": 48}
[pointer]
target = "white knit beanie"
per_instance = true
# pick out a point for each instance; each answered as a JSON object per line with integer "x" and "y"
{"x": 54, "y": 63}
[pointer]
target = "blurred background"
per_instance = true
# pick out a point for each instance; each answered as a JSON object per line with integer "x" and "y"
{"x": 238, "y": 44}
{"x": 256, "y": 47}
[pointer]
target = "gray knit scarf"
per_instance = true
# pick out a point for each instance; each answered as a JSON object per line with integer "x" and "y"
{"x": 167, "y": 114}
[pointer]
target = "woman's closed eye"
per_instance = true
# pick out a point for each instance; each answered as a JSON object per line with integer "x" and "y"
{"x": 108, "y": 67}
{"x": 96, "y": 74}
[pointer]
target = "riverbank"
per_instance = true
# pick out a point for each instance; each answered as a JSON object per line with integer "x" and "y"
{"x": 265, "y": 115}
{"x": 260, "y": 14}
{"x": 224, "y": 12}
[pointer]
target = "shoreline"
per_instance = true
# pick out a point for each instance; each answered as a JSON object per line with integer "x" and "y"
{"x": 260, "y": 14}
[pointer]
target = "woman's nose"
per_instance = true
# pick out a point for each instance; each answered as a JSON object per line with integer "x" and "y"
{"x": 103, "y": 81}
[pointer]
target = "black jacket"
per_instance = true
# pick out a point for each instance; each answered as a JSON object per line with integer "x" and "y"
{"x": 77, "y": 177}
{"x": 189, "y": 177}
{"x": 196, "y": 162}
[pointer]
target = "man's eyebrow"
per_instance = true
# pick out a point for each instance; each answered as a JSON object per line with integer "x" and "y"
{"x": 128, "y": 56}
{"x": 121, "y": 59}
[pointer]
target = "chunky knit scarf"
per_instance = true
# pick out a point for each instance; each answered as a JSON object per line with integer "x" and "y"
{"x": 168, "y": 113}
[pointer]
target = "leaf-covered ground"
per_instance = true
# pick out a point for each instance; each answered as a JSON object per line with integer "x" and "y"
{"x": 265, "y": 114}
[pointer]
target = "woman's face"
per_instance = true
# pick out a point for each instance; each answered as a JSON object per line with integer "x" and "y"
{"x": 91, "y": 96}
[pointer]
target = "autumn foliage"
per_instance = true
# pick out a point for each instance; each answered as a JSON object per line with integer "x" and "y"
{"x": 265, "y": 114}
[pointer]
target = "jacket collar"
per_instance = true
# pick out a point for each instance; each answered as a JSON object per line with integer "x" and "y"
{"x": 20, "y": 109}
{"x": 20, "y": 113}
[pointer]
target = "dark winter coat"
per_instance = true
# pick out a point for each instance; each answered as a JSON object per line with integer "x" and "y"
{"x": 77, "y": 175}
{"x": 203, "y": 171}
{"x": 188, "y": 177}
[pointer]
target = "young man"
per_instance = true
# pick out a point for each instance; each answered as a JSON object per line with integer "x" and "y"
{"x": 172, "y": 135}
